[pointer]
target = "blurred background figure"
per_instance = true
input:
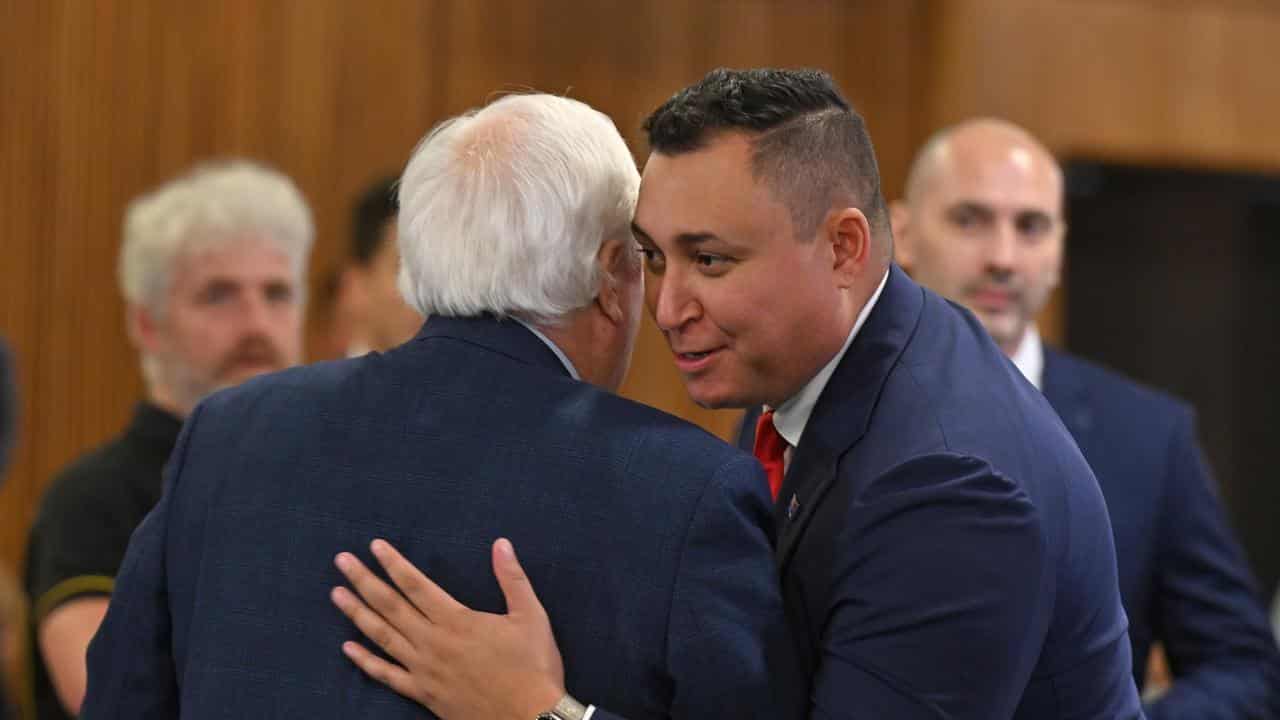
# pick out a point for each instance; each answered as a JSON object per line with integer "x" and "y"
{"x": 8, "y": 407}
{"x": 11, "y": 600}
{"x": 1275, "y": 615}
{"x": 12, "y": 616}
{"x": 212, "y": 268}
{"x": 368, "y": 312}
{"x": 982, "y": 223}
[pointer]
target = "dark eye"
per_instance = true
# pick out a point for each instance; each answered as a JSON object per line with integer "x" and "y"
{"x": 1034, "y": 224}
{"x": 279, "y": 292}
{"x": 217, "y": 292}
{"x": 969, "y": 216}
{"x": 708, "y": 260}
{"x": 653, "y": 259}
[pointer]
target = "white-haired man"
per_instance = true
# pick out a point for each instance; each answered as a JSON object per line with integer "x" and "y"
{"x": 212, "y": 268}
{"x": 648, "y": 535}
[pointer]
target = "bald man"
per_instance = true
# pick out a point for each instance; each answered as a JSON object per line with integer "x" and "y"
{"x": 982, "y": 224}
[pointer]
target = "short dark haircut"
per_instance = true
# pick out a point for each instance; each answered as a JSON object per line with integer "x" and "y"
{"x": 376, "y": 207}
{"x": 810, "y": 146}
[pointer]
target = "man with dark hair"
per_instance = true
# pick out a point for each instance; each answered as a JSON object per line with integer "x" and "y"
{"x": 943, "y": 547}
{"x": 515, "y": 229}
{"x": 369, "y": 312}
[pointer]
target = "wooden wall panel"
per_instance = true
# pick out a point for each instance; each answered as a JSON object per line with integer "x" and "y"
{"x": 1184, "y": 82}
{"x": 102, "y": 101}
{"x": 1158, "y": 81}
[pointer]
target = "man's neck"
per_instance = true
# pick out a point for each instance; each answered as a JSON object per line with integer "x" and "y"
{"x": 792, "y": 415}
{"x": 568, "y": 339}
{"x": 165, "y": 400}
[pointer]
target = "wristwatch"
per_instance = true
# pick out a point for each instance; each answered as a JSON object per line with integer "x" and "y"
{"x": 566, "y": 709}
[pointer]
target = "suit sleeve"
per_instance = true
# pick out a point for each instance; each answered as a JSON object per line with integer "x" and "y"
{"x": 1207, "y": 606}
{"x": 730, "y": 652}
{"x": 131, "y": 668}
{"x": 936, "y": 584}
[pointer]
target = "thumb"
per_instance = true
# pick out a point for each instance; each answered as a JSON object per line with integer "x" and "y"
{"x": 516, "y": 588}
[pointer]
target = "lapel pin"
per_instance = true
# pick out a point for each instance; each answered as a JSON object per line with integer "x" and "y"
{"x": 793, "y": 507}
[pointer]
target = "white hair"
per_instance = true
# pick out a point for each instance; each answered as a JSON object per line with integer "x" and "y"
{"x": 210, "y": 206}
{"x": 504, "y": 209}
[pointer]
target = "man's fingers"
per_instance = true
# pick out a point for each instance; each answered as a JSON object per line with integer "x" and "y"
{"x": 380, "y": 596}
{"x": 515, "y": 585}
{"x": 372, "y": 625}
{"x": 389, "y": 674}
{"x": 429, "y": 598}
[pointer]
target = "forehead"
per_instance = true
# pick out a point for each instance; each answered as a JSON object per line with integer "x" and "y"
{"x": 1006, "y": 176}
{"x": 246, "y": 259}
{"x": 711, "y": 189}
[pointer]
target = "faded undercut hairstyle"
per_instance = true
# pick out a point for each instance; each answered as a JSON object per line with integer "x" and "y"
{"x": 810, "y": 147}
{"x": 504, "y": 209}
{"x": 210, "y": 206}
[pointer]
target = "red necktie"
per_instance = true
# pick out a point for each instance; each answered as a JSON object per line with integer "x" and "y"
{"x": 770, "y": 449}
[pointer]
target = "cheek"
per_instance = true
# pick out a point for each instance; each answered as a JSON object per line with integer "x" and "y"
{"x": 951, "y": 271}
{"x": 199, "y": 341}
{"x": 1045, "y": 275}
{"x": 287, "y": 325}
{"x": 651, "y": 289}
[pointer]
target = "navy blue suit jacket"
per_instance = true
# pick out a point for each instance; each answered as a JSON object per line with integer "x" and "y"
{"x": 943, "y": 546}
{"x": 646, "y": 538}
{"x": 1183, "y": 576}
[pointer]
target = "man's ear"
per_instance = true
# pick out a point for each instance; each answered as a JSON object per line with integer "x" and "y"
{"x": 143, "y": 327}
{"x": 903, "y": 243}
{"x": 849, "y": 233}
{"x": 612, "y": 259}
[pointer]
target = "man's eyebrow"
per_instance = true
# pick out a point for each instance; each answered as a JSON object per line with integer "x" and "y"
{"x": 685, "y": 238}
{"x": 692, "y": 238}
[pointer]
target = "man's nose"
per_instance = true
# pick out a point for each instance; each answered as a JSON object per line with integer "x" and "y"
{"x": 255, "y": 314}
{"x": 673, "y": 304}
{"x": 1002, "y": 251}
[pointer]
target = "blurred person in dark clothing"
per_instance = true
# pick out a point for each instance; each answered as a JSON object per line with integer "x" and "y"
{"x": 369, "y": 312}
{"x": 212, "y": 268}
{"x": 10, "y": 596}
{"x": 8, "y": 408}
{"x": 982, "y": 224}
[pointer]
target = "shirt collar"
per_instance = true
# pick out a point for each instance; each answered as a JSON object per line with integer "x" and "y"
{"x": 564, "y": 359}
{"x": 1029, "y": 357}
{"x": 791, "y": 416}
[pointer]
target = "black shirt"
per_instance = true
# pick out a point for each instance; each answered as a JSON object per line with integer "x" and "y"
{"x": 82, "y": 529}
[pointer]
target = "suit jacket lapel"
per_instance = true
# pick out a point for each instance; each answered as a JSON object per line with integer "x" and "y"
{"x": 1067, "y": 395}
{"x": 844, "y": 409}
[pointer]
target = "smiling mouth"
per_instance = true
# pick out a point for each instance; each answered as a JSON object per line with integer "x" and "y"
{"x": 694, "y": 355}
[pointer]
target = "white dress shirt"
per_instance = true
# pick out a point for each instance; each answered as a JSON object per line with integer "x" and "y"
{"x": 1029, "y": 357}
{"x": 791, "y": 417}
